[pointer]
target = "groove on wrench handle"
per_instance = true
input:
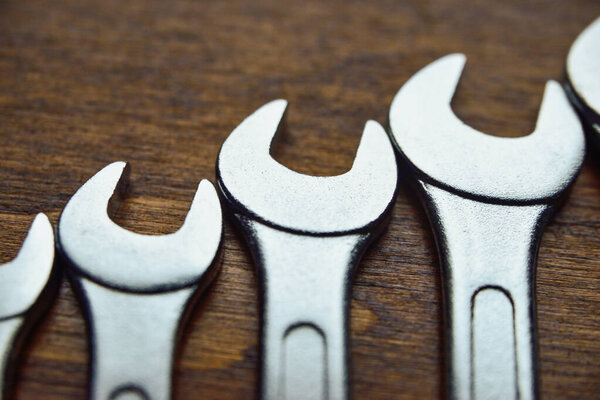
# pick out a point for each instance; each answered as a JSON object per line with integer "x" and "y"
{"x": 132, "y": 361}
{"x": 488, "y": 255}
{"x": 492, "y": 332}
{"x": 304, "y": 352}
{"x": 306, "y": 287}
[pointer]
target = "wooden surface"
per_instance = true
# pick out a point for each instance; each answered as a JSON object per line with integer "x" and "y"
{"x": 162, "y": 84}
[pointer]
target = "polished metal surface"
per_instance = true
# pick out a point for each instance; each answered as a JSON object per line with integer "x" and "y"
{"x": 488, "y": 200}
{"x": 455, "y": 155}
{"x": 25, "y": 291}
{"x": 583, "y": 77}
{"x": 306, "y": 234}
{"x": 260, "y": 186}
{"x": 135, "y": 289}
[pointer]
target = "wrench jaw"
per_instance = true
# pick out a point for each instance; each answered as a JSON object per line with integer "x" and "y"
{"x": 136, "y": 290}
{"x": 23, "y": 279}
{"x": 444, "y": 151}
{"x": 97, "y": 248}
{"x": 255, "y": 184}
{"x": 27, "y": 284}
{"x": 582, "y": 82}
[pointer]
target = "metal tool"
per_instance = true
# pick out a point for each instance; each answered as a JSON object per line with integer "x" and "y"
{"x": 583, "y": 78}
{"x": 488, "y": 200}
{"x": 26, "y": 284}
{"x": 306, "y": 234}
{"x": 136, "y": 290}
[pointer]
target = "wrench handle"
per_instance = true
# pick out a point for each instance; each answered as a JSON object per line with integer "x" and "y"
{"x": 306, "y": 283}
{"x": 9, "y": 332}
{"x": 303, "y": 360}
{"x": 132, "y": 340}
{"x": 488, "y": 255}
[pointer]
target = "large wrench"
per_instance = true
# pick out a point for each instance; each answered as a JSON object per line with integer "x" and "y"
{"x": 488, "y": 200}
{"x": 135, "y": 289}
{"x": 26, "y": 286}
{"x": 583, "y": 78}
{"x": 306, "y": 234}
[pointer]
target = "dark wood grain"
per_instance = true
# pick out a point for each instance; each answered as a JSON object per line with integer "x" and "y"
{"x": 161, "y": 85}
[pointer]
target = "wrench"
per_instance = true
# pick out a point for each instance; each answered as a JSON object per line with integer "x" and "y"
{"x": 306, "y": 235}
{"x": 136, "y": 290}
{"x": 488, "y": 200}
{"x": 583, "y": 78}
{"x": 26, "y": 285}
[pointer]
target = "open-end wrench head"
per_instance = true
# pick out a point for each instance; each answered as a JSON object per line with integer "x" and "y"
{"x": 583, "y": 72}
{"x": 453, "y": 155}
{"x": 23, "y": 279}
{"x": 256, "y": 184}
{"x": 110, "y": 255}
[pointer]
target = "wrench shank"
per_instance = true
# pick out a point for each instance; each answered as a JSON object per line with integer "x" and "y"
{"x": 306, "y": 284}
{"x": 488, "y": 257}
{"x": 133, "y": 338}
{"x": 9, "y": 330}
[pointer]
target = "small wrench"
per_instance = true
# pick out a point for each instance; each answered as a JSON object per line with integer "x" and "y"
{"x": 26, "y": 284}
{"x": 136, "y": 290}
{"x": 583, "y": 78}
{"x": 488, "y": 200}
{"x": 306, "y": 235}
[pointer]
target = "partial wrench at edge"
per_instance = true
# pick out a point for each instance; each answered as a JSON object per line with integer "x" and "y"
{"x": 583, "y": 79}
{"x": 27, "y": 284}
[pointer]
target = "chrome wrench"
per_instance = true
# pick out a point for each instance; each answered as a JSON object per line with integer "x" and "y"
{"x": 488, "y": 200}
{"x": 306, "y": 235}
{"x": 136, "y": 290}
